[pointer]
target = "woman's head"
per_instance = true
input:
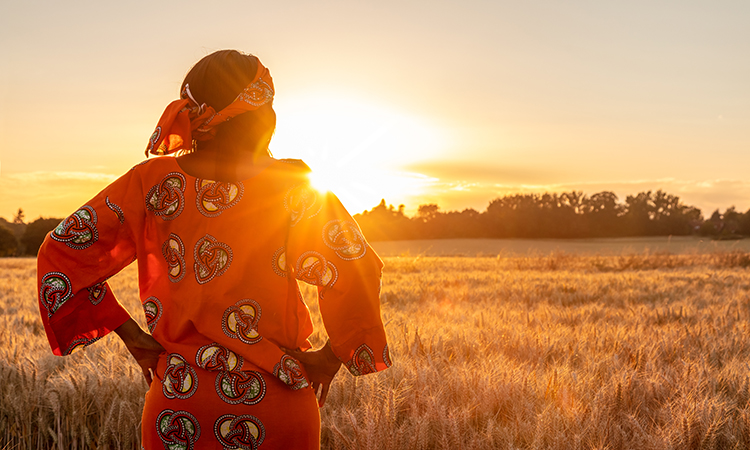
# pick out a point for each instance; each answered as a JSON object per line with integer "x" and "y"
{"x": 216, "y": 80}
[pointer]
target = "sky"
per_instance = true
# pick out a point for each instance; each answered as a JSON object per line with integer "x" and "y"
{"x": 447, "y": 102}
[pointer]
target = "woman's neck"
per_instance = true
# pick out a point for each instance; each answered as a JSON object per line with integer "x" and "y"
{"x": 217, "y": 166}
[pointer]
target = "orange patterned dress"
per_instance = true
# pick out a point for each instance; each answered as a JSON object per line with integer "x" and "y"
{"x": 218, "y": 264}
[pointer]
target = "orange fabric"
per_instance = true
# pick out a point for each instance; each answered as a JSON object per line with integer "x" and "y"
{"x": 218, "y": 265}
{"x": 185, "y": 120}
{"x": 258, "y": 410}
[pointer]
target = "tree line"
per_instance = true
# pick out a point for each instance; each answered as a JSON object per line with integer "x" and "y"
{"x": 557, "y": 216}
{"x": 18, "y": 238}
{"x": 549, "y": 215}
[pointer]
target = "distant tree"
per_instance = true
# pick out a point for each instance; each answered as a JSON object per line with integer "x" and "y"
{"x": 567, "y": 215}
{"x": 744, "y": 226}
{"x": 731, "y": 221}
{"x": 17, "y": 229}
{"x": 671, "y": 216}
{"x": 639, "y": 210}
{"x": 384, "y": 223}
{"x": 603, "y": 214}
{"x": 712, "y": 226}
{"x": 453, "y": 224}
{"x": 427, "y": 212}
{"x": 8, "y": 242}
{"x": 18, "y": 218}
{"x": 659, "y": 214}
{"x": 35, "y": 233}
{"x": 517, "y": 215}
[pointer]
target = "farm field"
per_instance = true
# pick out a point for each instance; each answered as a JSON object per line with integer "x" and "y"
{"x": 542, "y": 350}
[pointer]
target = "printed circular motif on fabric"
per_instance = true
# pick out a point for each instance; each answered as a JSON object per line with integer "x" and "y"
{"x": 79, "y": 344}
{"x": 78, "y": 231}
{"x": 256, "y": 94}
{"x": 178, "y": 430}
{"x": 289, "y": 371}
{"x": 217, "y": 357}
{"x": 363, "y": 361}
{"x": 55, "y": 289}
{"x": 313, "y": 268}
{"x": 167, "y": 199}
{"x": 243, "y": 432}
{"x": 344, "y": 238}
{"x": 152, "y": 309}
{"x": 97, "y": 293}
{"x": 116, "y": 209}
{"x": 235, "y": 387}
{"x": 154, "y": 139}
{"x": 174, "y": 253}
{"x": 212, "y": 258}
{"x": 180, "y": 380}
{"x": 279, "y": 262}
{"x": 387, "y": 356}
{"x": 301, "y": 202}
{"x": 213, "y": 197}
{"x": 241, "y": 321}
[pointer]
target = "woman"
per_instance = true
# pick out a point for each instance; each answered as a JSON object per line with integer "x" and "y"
{"x": 221, "y": 234}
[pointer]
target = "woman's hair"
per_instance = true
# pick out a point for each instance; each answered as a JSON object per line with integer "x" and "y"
{"x": 216, "y": 80}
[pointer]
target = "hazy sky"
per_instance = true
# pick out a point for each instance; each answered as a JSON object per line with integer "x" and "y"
{"x": 450, "y": 102}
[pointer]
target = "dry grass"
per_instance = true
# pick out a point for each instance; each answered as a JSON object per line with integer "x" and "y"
{"x": 93, "y": 398}
{"x": 559, "y": 351}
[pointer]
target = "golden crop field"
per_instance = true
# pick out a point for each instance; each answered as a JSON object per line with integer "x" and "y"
{"x": 645, "y": 351}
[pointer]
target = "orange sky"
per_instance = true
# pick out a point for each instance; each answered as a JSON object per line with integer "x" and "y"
{"x": 448, "y": 102}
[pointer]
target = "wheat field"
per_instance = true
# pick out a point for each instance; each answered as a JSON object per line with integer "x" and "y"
{"x": 560, "y": 351}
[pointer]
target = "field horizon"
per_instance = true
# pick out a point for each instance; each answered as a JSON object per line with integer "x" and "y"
{"x": 676, "y": 245}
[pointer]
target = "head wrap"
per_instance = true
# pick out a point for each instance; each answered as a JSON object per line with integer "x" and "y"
{"x": 185, "y": 120}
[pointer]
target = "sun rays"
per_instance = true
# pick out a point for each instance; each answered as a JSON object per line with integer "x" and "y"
{"x": 357, "y": 148}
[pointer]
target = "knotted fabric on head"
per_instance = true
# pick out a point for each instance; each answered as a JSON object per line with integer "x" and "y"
{"x": 185, "y": 120}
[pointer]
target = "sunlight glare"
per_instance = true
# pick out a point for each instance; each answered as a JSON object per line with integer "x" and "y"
{"x": 320, "y": 182}
{"x": 357, "y": 149}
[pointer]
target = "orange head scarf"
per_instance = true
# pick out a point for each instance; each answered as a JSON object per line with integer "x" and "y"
{"x": 185, "y": 120}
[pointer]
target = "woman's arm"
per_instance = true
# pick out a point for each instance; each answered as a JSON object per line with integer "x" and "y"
{"x": 76, "y": 259}
{"x": 144, "y": 348}
{"x": 326, "y": 248}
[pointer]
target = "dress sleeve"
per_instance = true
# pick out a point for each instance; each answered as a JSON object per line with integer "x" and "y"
{"x": 77, "y": 257}
{"x": 325, "y": 247}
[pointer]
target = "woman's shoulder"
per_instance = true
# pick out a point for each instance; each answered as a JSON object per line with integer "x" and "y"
{"x": 157, "y": 168}
{"x": 151, "y": 164}
{"x": 295, "y": 165}
{"x": 292, "y": 171}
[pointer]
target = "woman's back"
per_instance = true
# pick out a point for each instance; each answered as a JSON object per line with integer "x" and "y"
{"x": 218, "y": 264}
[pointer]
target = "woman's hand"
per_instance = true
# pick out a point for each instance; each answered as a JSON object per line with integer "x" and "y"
{"x": 144, "y": 348}
{"x": 321, "y": 366}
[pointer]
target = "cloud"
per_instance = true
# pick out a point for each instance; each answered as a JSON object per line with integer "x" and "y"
{"x": 486, "y": 172}
{"x": 54, "y": 177}
{"x": 48, "y": 194}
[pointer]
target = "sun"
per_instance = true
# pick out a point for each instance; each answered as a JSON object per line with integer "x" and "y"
{"x": 323, "y": 182}
{"x": 357, "y": 148}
